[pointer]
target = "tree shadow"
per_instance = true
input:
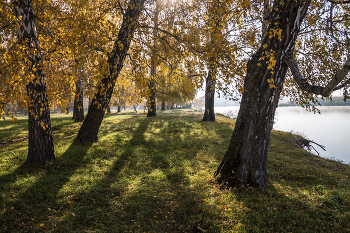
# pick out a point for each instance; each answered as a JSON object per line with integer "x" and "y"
{"x": 34, "y": 204}
{"x": 129, "y": 197}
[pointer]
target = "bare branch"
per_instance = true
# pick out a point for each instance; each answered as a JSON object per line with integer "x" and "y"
{"x": 3, "y": 27}
{"x": 338, "y": 2}
{"x": 318, "y": 90}
{"x": 42, "y": 21}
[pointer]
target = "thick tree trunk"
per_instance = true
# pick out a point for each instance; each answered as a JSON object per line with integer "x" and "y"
{"x": 246, "y": 158}
{"x": 89, "y": 129}
{"x": 209, "y": 114}
{"x": 40, "y": 140}
{"x": 163, "y": 106}
{"x": 78, "y": 111}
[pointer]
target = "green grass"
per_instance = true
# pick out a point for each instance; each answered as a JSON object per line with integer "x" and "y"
{"x": 156, "y": 175}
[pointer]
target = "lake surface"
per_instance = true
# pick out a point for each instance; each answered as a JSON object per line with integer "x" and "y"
{"x": 331, "y": 128}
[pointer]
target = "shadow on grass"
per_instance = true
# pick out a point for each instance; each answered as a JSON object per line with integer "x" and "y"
{"x": 149, "y": 174}
{"x": 146, "y": 189}
{"x": 35, "y": 204}
{"x": 11, "y": 133}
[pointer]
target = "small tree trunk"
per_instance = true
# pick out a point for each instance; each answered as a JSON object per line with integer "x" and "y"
{"x": 152, "y": 103}
{"x": 245, "y": 161}
{"x": 119, "y": 108}
{"x": 108, "y": 109}
{"x": 40, "y": 140}
{"x": 163, "y": 106}
{"x": 89, "y": 129}
{"x": 209, "y": 114}
{"x": 78, "y": 110}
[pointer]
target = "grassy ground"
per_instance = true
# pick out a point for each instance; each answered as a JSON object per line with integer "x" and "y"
{"x": 156, "y": 175}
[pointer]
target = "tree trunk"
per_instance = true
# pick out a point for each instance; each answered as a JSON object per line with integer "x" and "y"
{"x": 108, "y": 109}
{"x": 78, "y": 110}
{"x": 119, "y": 108}
{"x": 163, "y": 106}
{"x": 151, "y": 103}
{"x": 209, "y": 114}
{"x": 89, "y": 129}
{"x": 40, "y": 140}
{"x": 152, "y": 99}
{"x": 246, "y": 158}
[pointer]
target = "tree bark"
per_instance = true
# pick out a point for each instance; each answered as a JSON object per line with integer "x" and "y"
{"x": 245, "y": 161}
{"x": 89, "y": 129}
{"x": 151, "y": 103}
{"x": 78, "y": 110}
{"x": 152, "y": 99}
{"x": 40, "y": 140}
{"x": 163, "y": 106}
{"x": 209, "y": 114}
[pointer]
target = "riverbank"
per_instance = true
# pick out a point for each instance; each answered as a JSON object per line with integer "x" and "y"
{"x": 329, "y": 128}
{"x": 156, "y": 175}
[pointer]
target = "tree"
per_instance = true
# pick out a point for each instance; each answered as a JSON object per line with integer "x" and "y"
{"x": 78, "y": 110}
{"x": 40, "y": 140}
{"x": 89, "y": 129}
{"x": 246, "y": 158}
{"x": 163, "y": 67}
{"x": 217, "y": 15}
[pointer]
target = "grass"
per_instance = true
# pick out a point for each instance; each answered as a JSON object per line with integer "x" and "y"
{"x": 156, "y": 175}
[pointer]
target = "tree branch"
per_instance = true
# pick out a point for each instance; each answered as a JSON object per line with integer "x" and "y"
{"x": 338, "y": 2}
{"x": 44, "y": 24}
{"x": 318, "y": 90}
{"x": 3, "y": 27}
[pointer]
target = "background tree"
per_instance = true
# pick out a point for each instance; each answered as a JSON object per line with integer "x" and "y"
{"x": 93, "y": 120}
{"x": 218, "y": 44}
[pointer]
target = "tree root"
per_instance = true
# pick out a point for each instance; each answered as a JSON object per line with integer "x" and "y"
{"x": 306, "y": 144}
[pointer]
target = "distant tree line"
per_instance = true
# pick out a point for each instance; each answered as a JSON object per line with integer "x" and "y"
{"x": 335, "y": 101}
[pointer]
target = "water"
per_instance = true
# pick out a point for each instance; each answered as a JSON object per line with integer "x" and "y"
{"x": 331, "y": 128}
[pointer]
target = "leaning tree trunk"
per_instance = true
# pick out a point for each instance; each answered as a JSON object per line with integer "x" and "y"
{"x": 78, "y": 110}
{"x": 89, "y": 129}
{"x": 246, "y": 158}
{"x": 209, "y": 114}
{"x": 40, "y": 140}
